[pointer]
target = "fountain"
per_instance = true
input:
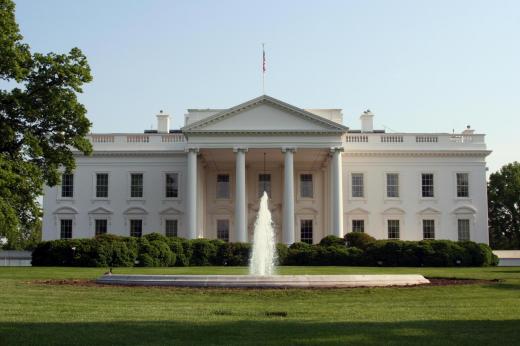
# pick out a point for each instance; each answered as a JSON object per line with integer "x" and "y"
{"x": 262, "y": 269}
{"x": 263, "y": 255}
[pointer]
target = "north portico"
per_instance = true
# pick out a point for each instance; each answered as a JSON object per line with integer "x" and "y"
{"x": 323, "y": 178}
{"x": 264, "y": 144}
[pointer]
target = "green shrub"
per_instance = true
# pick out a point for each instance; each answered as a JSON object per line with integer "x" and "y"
{"x": 181, "y": 248}
{"x": 204, "y": 252}
{"x": 332, "y": 240}
{"x": 281, "y": 253}
{"x": 154, "y": 253}
{"x": 337, "y": 255}
{"x": 233, "y": 254}
{"x": 359, "y": 239}
{"x": 301, "y": 254}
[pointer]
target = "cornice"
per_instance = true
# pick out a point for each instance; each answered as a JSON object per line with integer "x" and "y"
{"x": 134, "y": 153}
{"x": 262, "y": 132}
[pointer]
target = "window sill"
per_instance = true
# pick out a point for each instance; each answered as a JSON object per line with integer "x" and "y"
{"x": 142, "y": 200}
{"x": 171, "y": 199}
{"x": 65, "y": 199}
{"x": 100, "y": 199}
{"x": 358, "y": 199}
{"x": 393, "y": 200}
{"x": 465, "y": 199}
{"x": 428, "y": 199}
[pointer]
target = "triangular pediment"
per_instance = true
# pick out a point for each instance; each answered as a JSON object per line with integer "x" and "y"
{"x": 429, "y": 211}
{"x": 100, "y": 211}
{"x": 170, "y": 211}
{"x": 358, "y": 211}
{"x": 264, "y": 115}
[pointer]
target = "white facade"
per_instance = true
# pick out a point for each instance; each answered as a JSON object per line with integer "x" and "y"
{"x": 205, "y": 180}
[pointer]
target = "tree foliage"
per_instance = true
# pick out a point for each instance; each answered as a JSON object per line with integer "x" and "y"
{"x": 41, "y": 122}
{"x": 504, "y": 207}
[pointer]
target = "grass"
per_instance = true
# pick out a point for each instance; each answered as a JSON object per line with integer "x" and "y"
{"x": 35, "y": 313}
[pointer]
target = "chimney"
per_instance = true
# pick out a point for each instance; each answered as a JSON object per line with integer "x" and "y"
{"x": 163, "y": 122}
{"x": 367, "y": 122}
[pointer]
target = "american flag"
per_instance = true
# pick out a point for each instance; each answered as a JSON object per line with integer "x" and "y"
{"x": 263, "y": 59}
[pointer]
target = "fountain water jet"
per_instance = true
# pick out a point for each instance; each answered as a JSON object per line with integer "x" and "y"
{"x": 263, "y": 255}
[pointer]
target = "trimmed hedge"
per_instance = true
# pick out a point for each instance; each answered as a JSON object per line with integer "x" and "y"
{"x": 156, "y": 250}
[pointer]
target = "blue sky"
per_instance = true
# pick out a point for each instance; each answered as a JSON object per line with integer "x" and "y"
{"x": 419, "y": 66}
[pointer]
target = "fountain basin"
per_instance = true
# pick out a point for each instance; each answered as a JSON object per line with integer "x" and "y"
{"x": 271, "y": 281}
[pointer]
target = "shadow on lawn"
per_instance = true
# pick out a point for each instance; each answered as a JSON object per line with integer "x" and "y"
{"x": 277, "y": 331}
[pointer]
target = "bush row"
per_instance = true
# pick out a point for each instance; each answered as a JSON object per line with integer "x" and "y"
{"x": 156, "y": 250}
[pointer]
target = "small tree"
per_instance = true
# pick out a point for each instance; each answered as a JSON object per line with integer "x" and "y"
{"x": 504, "y": 207}
{"x": 41, "y": 120}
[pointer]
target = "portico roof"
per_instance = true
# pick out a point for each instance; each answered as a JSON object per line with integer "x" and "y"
{"x": 264, "y": 115}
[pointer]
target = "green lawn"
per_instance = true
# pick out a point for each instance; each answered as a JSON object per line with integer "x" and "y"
{"x": 40, "y": 314}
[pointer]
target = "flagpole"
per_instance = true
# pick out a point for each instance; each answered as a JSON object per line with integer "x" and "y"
{"x": 263, "y": 68}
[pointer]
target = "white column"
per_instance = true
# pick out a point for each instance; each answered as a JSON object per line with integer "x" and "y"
{"x": 336, "y": 188}
{"x": 240, "y": 195}
{"x": 288, "y": 197}
{"x": 191, "y": 194}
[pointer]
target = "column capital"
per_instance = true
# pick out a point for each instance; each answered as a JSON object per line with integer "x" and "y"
{"x": 336, "y": 149}
{"x": 241, "y": 149}
{"x": 191, "y": 149}
{"x": 288, "y": 149}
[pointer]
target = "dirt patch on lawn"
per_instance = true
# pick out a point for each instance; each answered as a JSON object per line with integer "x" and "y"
{"x": 433, "y": 282}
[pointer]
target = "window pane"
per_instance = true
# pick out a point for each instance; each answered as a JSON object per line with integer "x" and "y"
{"x": 65, "y": 228}
{"x": 223, "y": 230}
{"x": 357, "y": 185}
{"x": 428, "y": 229}
{"x": 172, "y": 185}
{"x": 393, "y": 229}
{"x": 223, "y": 186}
{"x": 306, "y": 187}
{"x": 306, "y": 231}
{"x": 136, "y": 185}
{"x": 392, "y": 185}
{"x": 463, "y": 229}
{"x": 358, "y": 225}
{"x": 67, "y": 185}
{"x": 171, "y": 228}
{"x": 264, "y": 184}
{"x": 101, "y": 226}
{"x": 462, "y": 185}
{"x": 427, "y": 184}
{"x": 136, "y": 228}
{"x": 102, "y": 185}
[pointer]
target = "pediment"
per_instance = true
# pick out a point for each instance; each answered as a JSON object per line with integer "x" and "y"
{"x": 394, "y": 211}
{"x": 100, "y": 211}
{"x": 135, "y": 211}
{"x": 170, "y": 211}
{"x": 65, "y": 210}
{"x": 264, "y": 115}
{"x": 358, "y": 211}
{"x": 465, "y": 210}
{"x": 429, "y": 211}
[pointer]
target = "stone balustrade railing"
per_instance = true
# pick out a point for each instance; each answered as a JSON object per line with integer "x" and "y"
{"x": 417, "y": 140}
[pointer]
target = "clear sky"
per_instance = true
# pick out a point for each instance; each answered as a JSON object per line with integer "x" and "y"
{"x": 419, "y": 66}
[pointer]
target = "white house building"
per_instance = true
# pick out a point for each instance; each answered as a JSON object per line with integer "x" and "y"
{"x": 323, "y": 178}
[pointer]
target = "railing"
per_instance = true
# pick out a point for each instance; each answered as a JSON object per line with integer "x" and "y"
{"x": 102, "y": 139}
{"x": 356, "y": 139}
{"x": 173, "y": 138}
{"x": 113, "y": 140}
{"x": 138, "y": 139}
{"x": 442, "y": 141}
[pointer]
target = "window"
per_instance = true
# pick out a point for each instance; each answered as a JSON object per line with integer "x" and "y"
{"x": 357, "y": 185}
{"x": 172, "y": 185}
{"x": 358, "y": 226}
{"x": 102, "y": 185}
{"x": 136, "y": 185}
{"x": 427, "y": 185}
{"x": 67, "y": 185}
{"x": 306, "y": 188}
{"x": 100, "y": 227}
{"x": 136, "y": 228}
{"x": 462, "y": 185}
{"x": 463, "y": 229}
{"x": 223, "y": 186}
{"x": 428, "y": 227}
{"x": 264, "y": 184}
{"x": 392, "y": 185}
{"x": 65, "y": 228}
{"x": 306, "y": 231}
{"x": 223, "y": 230}
{"x": 393, "y": 229}
{"x": 171, "y": 228}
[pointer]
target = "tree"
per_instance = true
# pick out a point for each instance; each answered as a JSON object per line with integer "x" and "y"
{"x": 504, "y": 207}
{"x": 41, "y": 122}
